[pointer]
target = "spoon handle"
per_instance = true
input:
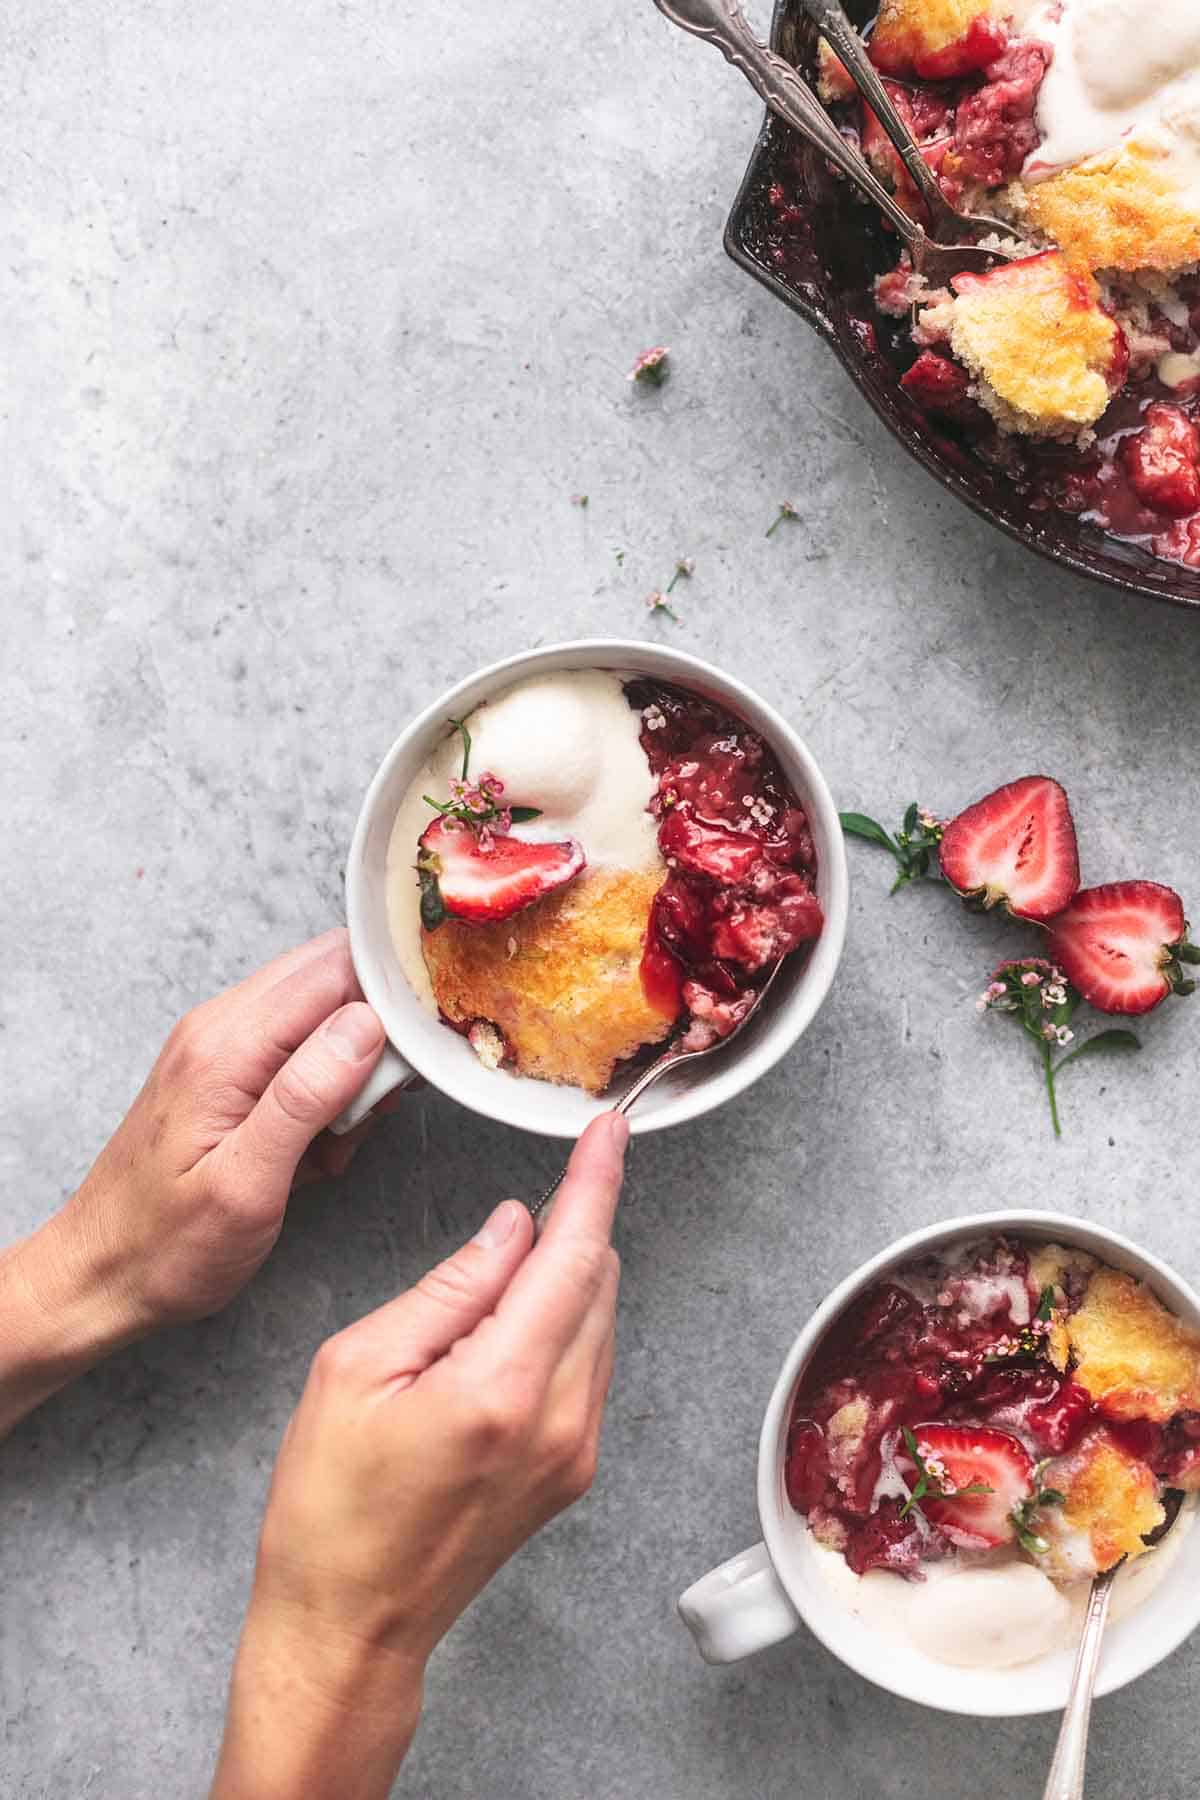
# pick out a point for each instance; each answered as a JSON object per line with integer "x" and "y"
{"x": 830, "y": 19}
{"x": 1065, "y": 1781}
{"x": 722, "y": 23}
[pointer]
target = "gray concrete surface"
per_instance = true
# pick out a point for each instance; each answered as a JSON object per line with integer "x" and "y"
{"x": 314, "y": 319}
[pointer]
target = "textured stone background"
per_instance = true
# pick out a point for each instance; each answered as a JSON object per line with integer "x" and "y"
{"x": 314, "y": 319}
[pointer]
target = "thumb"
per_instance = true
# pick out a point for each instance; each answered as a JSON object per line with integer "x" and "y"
{"x": 315, "y": 1084}
{"x": 414, "y": 1330}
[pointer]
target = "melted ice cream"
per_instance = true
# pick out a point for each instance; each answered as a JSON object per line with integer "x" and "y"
{"x": 989, "y": 1609}
{"x": 1116, "y": 75}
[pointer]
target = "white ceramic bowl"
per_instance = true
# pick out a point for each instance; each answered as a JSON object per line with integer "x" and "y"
{"x": 762, "y": 1596}
{"x": 417, "y": 1041}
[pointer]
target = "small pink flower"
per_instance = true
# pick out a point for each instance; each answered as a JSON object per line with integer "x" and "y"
{"x": 476, "y": 802}
{"x": 1031, "y": 978}
{"x": 651, "y": 366}
{"x": 458, "y": 791}
{"x": 490, "y": 784}
{"x": 503, "y": 821}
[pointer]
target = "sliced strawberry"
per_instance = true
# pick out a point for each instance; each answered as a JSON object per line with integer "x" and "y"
{"x": 1123, "y": 945}
{"x": 480, "y": 877}
{"x": 1016, "y": 847}
{"x": 968, "y": 1456}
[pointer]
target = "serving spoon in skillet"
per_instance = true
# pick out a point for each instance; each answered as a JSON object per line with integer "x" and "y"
{"x": 946, "y": 223}
{"x": 1070, "y": 1753}
{"x": 723, "y": 24}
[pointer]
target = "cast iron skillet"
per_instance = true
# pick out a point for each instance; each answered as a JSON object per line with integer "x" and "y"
{"x": 821, "y": 262}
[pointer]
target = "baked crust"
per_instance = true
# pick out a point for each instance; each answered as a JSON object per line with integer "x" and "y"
{"x": 1109, "y": 1498}
{"x": 1042, "y": 347}
{"x": 1134, "y": 1358}
{"x": 561, "y": 979}
{"x": 920, "y": 33}
{"x": 1121, "y": 210}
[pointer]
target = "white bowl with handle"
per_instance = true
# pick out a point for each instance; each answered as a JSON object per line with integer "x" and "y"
{"x": 764, "y": 1595}
{"x": 418, "y": 1043}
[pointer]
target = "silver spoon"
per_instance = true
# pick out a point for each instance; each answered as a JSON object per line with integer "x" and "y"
{"x": 947, "y": 224}
{"x": 722, "y": 23}
{"x": 1065, "y": 1781}
{"x": 671, "y": 1058}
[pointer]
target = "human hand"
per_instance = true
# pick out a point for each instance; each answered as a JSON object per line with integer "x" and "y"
{"x": 187, "y": 1198}
{"x": 432, "y": 1439}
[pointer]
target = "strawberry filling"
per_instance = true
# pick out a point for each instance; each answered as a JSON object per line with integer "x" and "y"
{"x": 740, "y": 890}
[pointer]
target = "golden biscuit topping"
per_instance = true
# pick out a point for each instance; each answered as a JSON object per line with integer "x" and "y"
{"x": 1121, "y": 210}
{"x": 1043, "y": 348}
{"x": 1135, "y": 1359}
{"x": 1109, "y": 1498}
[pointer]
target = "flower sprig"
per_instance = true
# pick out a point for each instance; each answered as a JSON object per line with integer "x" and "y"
{"x": 479, "y": 804}
{"x": 914, "y": 846}
{"x": 1038, "y": 996}
{"x": 933, "y": 1479}
{"x": 1032, "y": 1339}
{"x": 786, "y": 512}
{"x": 1024, "y": 1516}
{"x": 652, "y": 366}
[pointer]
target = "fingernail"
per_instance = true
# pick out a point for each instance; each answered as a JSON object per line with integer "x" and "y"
{"x": 618, "y": 1126}
{"x": 500, "y": 1226}
{"x": 354, "y": 1032}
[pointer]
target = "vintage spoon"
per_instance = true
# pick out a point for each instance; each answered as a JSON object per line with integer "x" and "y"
{"x": 1070, "y": 1753}
{"x": 672, "y": 1057}
{"x": 721, "y": 22}
{"x": 947, "y": 224}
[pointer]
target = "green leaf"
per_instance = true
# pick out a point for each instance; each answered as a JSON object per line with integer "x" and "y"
{"x": 858, "y": 825}
{"x": 433, "y": 910}
{"x": 1046, "y": 1303}
{"x": 910, "y": 818}
{"x": 1030, "y": 1541}
{"x": 521, "y": 815}
{"x": 1103, "y": 1041}
{"x": 1185, "y": 952}
{"x": 1051, "y": 1497}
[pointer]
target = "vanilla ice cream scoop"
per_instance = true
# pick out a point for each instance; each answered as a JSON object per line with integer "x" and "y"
{"x": 541, "y": 739}
{"x": 1116, "y": 76}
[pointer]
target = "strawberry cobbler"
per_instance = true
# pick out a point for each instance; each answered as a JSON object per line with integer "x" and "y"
{"x": 1077, "y": 123}
{"x": 630, "y": 864}
{"x": 986, "y": 1430}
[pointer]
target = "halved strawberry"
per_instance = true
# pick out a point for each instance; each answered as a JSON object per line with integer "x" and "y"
{"x": 1124, "y": 945}
{"x": 1016, "y": 847}
{"x": 481, "y": 877}
{"x": 970, "y": 1456}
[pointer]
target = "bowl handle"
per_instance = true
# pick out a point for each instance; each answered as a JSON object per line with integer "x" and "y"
{"x": 739, "y": 1608}
{"x": 388, "y": 1073}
